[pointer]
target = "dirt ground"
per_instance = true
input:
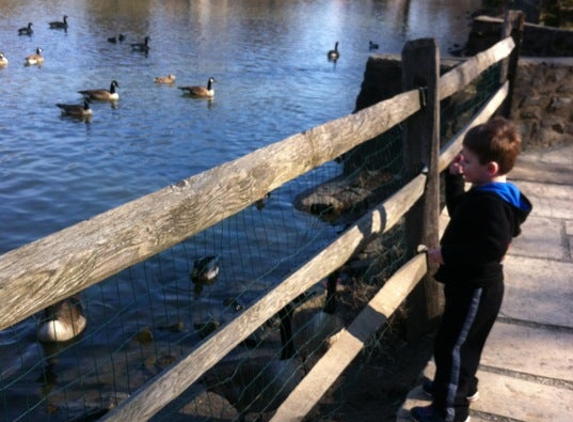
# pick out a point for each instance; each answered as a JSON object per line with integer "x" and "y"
{"x": 373, "y": 389}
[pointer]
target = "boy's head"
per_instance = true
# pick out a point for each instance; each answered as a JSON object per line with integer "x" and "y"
{"x": 495, "y": 141}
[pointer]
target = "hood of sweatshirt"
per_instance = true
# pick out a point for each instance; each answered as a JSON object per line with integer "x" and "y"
{"x": 510, "y": 194}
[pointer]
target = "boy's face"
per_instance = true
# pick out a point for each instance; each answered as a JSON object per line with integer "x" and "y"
{"x": 473, "y": 171}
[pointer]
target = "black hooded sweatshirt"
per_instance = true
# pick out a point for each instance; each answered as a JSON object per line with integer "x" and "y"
{"x": 483, "y": 222}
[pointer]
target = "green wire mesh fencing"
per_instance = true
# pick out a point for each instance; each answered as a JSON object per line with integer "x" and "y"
{"x": 142, "y": 320}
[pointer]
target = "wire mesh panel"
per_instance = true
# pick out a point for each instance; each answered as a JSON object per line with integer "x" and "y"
{"x": 149, "y": 316}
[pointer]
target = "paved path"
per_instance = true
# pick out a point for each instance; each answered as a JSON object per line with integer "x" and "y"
{"x": 526, "y": 373}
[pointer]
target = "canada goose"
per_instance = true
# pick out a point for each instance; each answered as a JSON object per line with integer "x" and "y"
{"x": 62, "y": 321}
{"x": 259, "y": 384}
{"x": 3, "y": 60}
{"x": 165, "y": 79}
{"x": 313, "y": 333}
{"x": 60, "y": 24}
{"x": 205, "y": 272}
{"x": 102, "y": 94}
{"x": 27, "y": 30}
{"x": 373, "y": 46}
{"x": 142, "y": 47}
{"x": 333, "y": 55}
{"x": 36, "y": 58}
{"x": 76, "y": 110}
{"x": 200, "y": 91}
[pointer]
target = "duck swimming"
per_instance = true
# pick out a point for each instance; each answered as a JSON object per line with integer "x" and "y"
{"x": 62, "y": 321}
{"x": 36, "y": 58}
{"x": 169, "y": 79}
{"x": 60, "y": 24}
{"x": 333, "y": 55}
{"x": 141, "y": 47}
{"x": 102, "y": 94}
{"x": 3, "y": 60}
{"x": 200, "y": 91}
{"x": 76, "y": 110}
{"x": 205, "y": 272}
{"x": 27, "y": 30}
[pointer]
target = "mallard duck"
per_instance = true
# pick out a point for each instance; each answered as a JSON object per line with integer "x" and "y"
{"x": 314, "y": 332}
{"x": 76, "y": 110}
{"x": 169, "y": 79}
{"x": 62, "y": 321}
{"x": 141, "y": 47}
{"x": 102, "y": 94}
{"x": 27, "y": 30}
{"x": 259, "y": 384}
{"x": 3, "y": 60}
{"x": 36, "y": 58}
{"x": 205, "y": 272}
{"x": 333, "y": 55}
{"x": 373, "y": 46}
{"x": 200, "y": 91}
{"x": 60, "y": 24}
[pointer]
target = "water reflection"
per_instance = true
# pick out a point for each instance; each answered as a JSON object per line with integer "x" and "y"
{"x": 273, "y": 81}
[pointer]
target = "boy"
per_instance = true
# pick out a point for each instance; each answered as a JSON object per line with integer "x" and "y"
{"x": 482, "y": 223}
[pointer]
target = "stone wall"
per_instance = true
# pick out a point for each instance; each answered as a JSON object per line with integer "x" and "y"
{"x": 542, "y": 101}
{"x": 538, "y": 40}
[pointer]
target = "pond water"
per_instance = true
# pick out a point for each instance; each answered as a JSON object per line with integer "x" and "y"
{"x": 272, "y": 80}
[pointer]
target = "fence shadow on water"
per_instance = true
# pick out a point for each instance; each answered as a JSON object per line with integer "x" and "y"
{"x": 154, "y": 330}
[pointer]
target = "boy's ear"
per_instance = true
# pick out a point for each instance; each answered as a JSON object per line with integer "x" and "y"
{"x": 493, "y": 168}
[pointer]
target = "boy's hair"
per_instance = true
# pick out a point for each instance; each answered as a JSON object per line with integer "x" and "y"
{"x": 496, "y": 140}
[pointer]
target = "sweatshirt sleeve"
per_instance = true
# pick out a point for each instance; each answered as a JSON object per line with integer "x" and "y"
{"x": 455, "y": 188}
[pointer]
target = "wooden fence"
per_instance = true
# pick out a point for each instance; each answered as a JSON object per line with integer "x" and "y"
{"x": 50, "y": 269}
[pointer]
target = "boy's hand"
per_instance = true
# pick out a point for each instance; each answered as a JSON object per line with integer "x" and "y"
{"x": 435, "y": 255}
{"x": 455, "y": 166}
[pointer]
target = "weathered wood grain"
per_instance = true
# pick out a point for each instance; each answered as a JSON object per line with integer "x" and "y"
{"x": 52, "y": 268}
{"x": 153, "y": 396}
{"x": 351, "y": 341}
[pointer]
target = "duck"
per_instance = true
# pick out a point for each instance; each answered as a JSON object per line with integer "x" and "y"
{"x": 60, "y": 24}
{"x": 259, "y": 384}
{"x": 35, "y": 58}
{"x": 315, "y": 332}
{"x": 62, "y": 321}
{"x": 205, "y": 272}
{"x": 141, "y": 47}
{"x": 200, "y": 91}
{"x": 169, "y": 79}
{"x": 102, "y": 94}
{"x": 3, "y": 60}
{"x": 333, "y": 55}
{"x": 373, "y": 46}
{"x": 76, "y": 110}
{"x": 121, "y": 37}
{"x": 27, "y": 30}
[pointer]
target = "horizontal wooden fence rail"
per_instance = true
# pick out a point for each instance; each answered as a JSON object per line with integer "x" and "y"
{"x": 153, "y": 396}
{"x": 453, "y": 147}
{"x": 351, "y": 341}
{"x": 43, "y": 272}
{"x": 52, "y": 268}
{"x": 459, "y": 77}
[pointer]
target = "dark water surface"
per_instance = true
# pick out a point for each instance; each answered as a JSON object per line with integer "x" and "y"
{"x": 273, "y": 80}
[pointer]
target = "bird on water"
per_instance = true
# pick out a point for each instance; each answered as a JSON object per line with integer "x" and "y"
{"x": 333, "y": 55}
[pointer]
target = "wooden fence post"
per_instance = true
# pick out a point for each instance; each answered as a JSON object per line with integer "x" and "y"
{"x": 513, "y": 25}
{"x": 421, "y": 69}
